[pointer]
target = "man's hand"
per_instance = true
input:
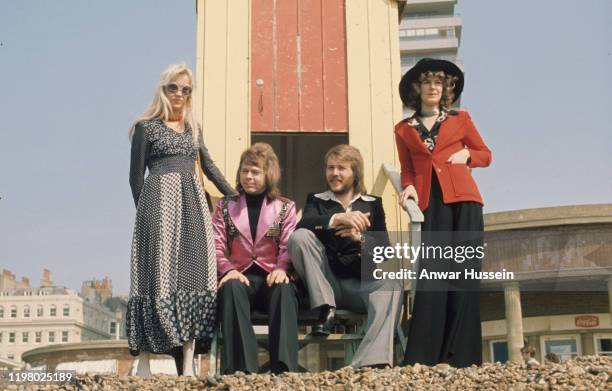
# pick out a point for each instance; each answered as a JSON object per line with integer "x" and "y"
{"x": 234, "y": 275}
{"x": 349, "y": 232}
{"x": 358, "y": 220}
{"x": 277, "y": 276}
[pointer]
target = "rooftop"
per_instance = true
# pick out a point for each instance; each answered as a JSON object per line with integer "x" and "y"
{"x": 549, "y": 216}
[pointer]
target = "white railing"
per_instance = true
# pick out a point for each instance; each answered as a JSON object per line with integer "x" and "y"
{"x": 415, "y": 219}
{"x": 429, "y": 16}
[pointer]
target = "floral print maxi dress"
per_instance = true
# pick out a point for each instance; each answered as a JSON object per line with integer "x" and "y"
{"x": 173, "y": 266}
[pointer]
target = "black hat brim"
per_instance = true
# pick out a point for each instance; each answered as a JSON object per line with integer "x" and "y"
{"x": 424, "y": 65}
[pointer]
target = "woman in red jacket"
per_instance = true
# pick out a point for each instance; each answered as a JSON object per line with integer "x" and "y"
{"x": 437, "y": 148}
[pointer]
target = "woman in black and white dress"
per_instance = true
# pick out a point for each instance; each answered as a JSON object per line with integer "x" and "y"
{"x": 173, "y": 267}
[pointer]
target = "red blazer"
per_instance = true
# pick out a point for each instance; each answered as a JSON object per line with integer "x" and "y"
{"x": 245, "y": 251}
{"x": 456, "y": 132}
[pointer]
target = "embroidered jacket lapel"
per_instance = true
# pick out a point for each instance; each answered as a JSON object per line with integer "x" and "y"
{"x": 269, "y": 212}
{"x": 240, "y": 216}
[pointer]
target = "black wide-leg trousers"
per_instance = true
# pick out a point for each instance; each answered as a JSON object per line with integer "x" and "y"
{"x": 239, "y": 352}
{"x": 445, "y": 325}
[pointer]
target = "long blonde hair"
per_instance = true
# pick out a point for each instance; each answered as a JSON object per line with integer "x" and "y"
{"x": 160, "y": 105}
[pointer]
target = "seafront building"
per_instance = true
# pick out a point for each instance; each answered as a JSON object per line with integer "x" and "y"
{"x": 32, "y": 317}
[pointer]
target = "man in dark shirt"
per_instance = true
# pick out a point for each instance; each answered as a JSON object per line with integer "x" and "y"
{"x": 337, "y": 227}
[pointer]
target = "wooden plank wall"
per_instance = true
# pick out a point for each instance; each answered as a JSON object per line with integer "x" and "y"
{"x": 374, "y": 106}
{"x": 222, "y": 77}
{"x": 298, "y": 57}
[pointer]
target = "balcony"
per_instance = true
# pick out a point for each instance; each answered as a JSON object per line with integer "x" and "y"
{"x": 430, "y": 33}
{"x": 430, "y": 21}
{"x": 408, "y": 62}
{"x": 414, "y": 6}
{"x": 428, "y": 44}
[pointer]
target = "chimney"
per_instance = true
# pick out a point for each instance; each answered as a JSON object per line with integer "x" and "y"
{"x": 7, "y": 281}
{"x": 45, "y": 282}
{"x": 23, "y": 284}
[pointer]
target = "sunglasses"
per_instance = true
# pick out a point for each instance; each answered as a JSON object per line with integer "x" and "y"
{"x": 173, "y": 88}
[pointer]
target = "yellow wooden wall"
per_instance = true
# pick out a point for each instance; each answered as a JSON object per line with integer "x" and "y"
{"x": 373, "y": 62}
{"x": 222, "y": 77}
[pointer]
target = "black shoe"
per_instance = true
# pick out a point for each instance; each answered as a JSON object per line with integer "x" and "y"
{"x": 326, "y": 325}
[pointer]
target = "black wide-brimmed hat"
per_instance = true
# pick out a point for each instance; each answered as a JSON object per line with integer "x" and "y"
{"x": 424, "y": 65}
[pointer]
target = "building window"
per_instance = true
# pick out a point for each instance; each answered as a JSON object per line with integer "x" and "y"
{"x": 39, "y": 311}
{"x": 38, "y": 337}
{"x": 499, "y": 351}
{"x": 13, "y": 311}
{"x": 113, "y": 328}
{"x": 66, "y": 310}
{"x": 1, "y": 337}
{"x": 11, "y": 337}
{"x": 1, "y": 312}
{"x": 11, "y": 356}
{"x": 564, "y": 346}
{"x": 53, "y": 310}
{"x": 25, "y": 336}
{"x": 51, "y": 336}
{"x": 26, "y": 311}
{"x": 603, "y": 344}
{"x": 64, "y": 336}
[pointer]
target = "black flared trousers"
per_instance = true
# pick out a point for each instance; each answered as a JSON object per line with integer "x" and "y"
{"x": 445, "y": 325}
{"x": 239, "y": 352}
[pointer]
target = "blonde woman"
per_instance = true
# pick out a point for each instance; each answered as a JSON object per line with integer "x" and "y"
{"x": 173, "y": 266}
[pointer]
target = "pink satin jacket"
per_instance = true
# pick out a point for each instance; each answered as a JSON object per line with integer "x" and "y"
{"x": 264, "y": 251}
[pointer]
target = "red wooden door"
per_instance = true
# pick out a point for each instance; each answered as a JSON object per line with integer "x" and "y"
{"x": 298, "y": 66}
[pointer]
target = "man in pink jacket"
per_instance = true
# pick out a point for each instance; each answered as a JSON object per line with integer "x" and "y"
{"x": 251, "y": 234}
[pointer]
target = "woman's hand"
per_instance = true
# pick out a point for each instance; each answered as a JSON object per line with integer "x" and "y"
{"x": 234, "y": 275}
{"x": 277, "y": 276}
{"x": 459, "y": 157}
{"x": 408, "y": 192}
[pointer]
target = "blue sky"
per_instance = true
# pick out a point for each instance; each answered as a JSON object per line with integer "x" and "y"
{"x": 75, "y": 75}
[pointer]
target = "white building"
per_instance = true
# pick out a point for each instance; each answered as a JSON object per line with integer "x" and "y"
{"x": 35, "y": 317}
